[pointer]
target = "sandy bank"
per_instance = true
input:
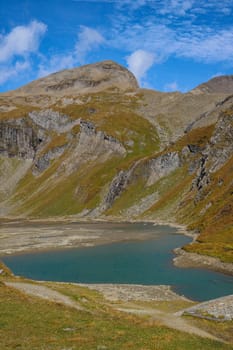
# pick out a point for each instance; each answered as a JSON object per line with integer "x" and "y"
{"x": 128, "y": 292}
{"x": 19, "y": 236}
{"x": 186, "y": 260}
{"x": 44, "y": 235}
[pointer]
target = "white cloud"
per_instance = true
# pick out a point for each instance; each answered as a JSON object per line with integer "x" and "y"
{"x": 22, "y": 40}
{"x": 88, "y": 39}
{"x": 226, "y": 11}
{"x": 206, "y": 46}
{"x": 201, "y": 43}
{"x": 173, "y": 86}
{"x": 176, "y": 7}
{"x": 157, "y": 39}
{"x": 139, "y": 62}
{"x": 218, "y": 74}
{"x": 16, "y": 48}
{"x": 12, "y": 71}
{"x": 134, "y": 5}
{"x": 55, "y": 64}
{"x": 148, "y": 31}
{"x": 172, "y": 28}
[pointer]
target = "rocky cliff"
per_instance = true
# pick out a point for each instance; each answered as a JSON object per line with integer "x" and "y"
{"x": 88, "y": 142}
{"x": 18, "y": 139}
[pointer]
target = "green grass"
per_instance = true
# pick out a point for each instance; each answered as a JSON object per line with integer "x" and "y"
{"x": 116, "y": 115}
{"x": 198, "y": 137}
{"x": 215, "y": 224}
{"x": 171, "y": 189}
{"x": 57, "y": 140}
{"x": 138, "y": 189}
{"x": 223, "y": 330}
{"x": 45, "y": 195}
{"x": 21, "y": 111}
{"x": 133, "y": 193}
{"x": 170, "y": 306}
{"x": 31, "y": 323}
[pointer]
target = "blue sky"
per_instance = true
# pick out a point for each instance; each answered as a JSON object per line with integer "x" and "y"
{"x": 169, "y": 45}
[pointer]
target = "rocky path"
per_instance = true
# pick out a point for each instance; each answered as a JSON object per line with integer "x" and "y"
{"x": 43, "y": 292}
{"x": 131, "y": 293}
{"x": 170, "y": 320}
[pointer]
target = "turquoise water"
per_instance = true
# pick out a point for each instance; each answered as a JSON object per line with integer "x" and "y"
{"x": 136, "y": 262}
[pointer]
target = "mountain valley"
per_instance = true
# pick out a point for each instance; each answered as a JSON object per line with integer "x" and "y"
{"x": 89, "y": 143}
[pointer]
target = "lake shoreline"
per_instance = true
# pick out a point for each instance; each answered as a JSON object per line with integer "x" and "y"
{"x": 186, "y": 260}
{"x": 30, "y": 234}
{"x": 182, "y": 259}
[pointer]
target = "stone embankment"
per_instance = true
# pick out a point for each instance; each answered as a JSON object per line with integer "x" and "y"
{"x": 220, "y": 309}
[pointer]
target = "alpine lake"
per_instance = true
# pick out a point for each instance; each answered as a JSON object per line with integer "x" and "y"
{"x": 133, "y": 261}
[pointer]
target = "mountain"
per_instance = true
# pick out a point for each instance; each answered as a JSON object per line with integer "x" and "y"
{"x": 89, "y": 143}
{"x": 85, "y": 79}
{"x": 220, "y": 85}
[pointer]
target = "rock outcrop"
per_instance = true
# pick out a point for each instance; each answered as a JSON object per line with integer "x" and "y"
{"x": 162, "y": 166}
{"x": 52, "y": 120}
{"x": 43, "y": 162}
{"x": 117, "y": 186}
{"x": 18, "y": 139}
{"x": 217, "y": 152}
{"x": 220, "y": 309}
{"x": 91, "y": 143}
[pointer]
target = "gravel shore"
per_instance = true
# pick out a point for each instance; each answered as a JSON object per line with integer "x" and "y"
{"x": 185, "y": 259}
{"x": 127, "y": 292}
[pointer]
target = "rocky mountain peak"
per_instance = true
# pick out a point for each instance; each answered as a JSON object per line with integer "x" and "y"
{"x": 89, "y": 78}
{"x": 219, "y": 85}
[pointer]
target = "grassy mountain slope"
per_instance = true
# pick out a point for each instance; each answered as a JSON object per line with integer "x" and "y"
{"x": 30, "y": 322}
{"x": 119, "y": 151}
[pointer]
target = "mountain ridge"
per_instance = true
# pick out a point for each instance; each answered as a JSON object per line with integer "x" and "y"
{"x": 121, "y": 151}
{"x": 88, "y": 78}
{"x": 52, "y": 83}
{"x": 220, "y": 84}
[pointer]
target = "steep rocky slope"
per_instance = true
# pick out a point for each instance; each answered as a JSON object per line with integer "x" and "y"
{"x": 88, "y": 142}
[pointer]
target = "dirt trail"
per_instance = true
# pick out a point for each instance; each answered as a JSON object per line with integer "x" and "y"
{"x": 44, "y": 293}
{"x": 170, "y": 320}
